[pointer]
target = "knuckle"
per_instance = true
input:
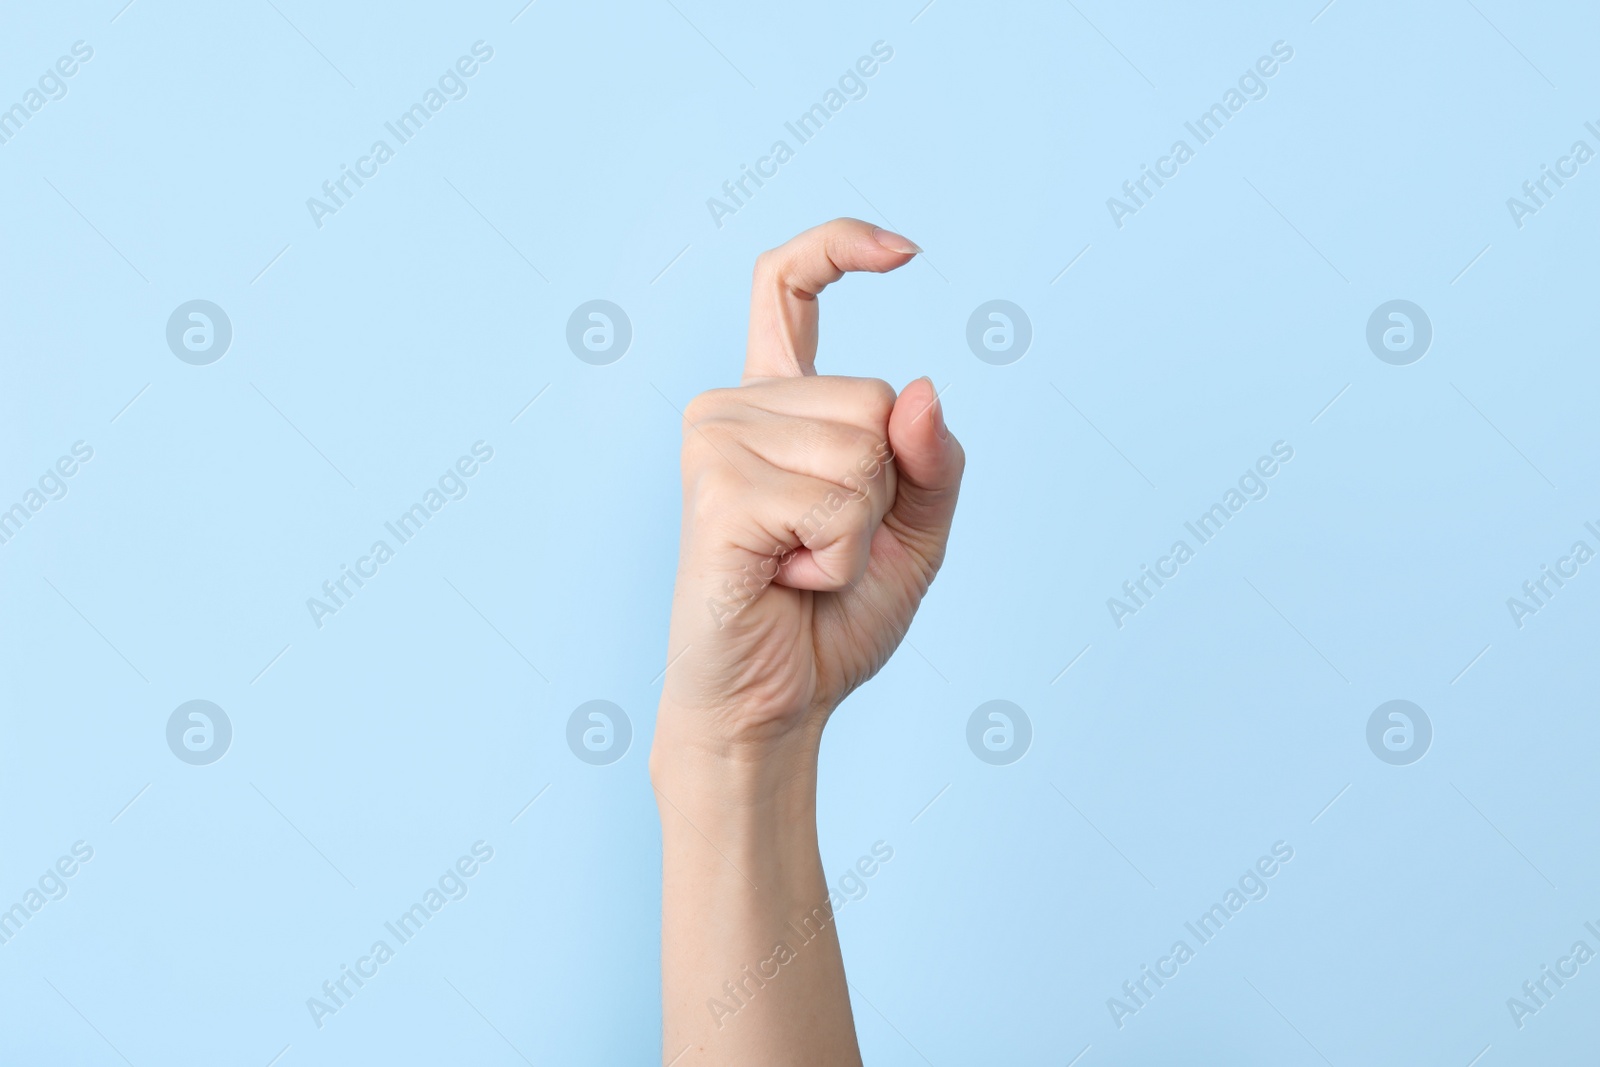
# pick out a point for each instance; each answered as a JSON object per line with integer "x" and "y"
{"x": 877, "y": 400}
{"x": 704, "y": 446}
{"x": 856, "y": 548}
{"x": 853, "y": 522}
{"x": 767, "y": 264}
{"x": 693, "y": 446}
{"x": 857, "y": 522}
{"x": 702, "y": 408}
{"x": 712, "y": 490}
{"x": 866, "y": 455}
{"x": 833, "y": 519}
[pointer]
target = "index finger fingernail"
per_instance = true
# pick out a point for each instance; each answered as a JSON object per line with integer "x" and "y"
{"x": 894, "y": 242}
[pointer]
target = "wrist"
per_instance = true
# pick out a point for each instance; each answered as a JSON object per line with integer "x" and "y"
{"x": 769, "y": 780}
{"x": 728, "y": 746}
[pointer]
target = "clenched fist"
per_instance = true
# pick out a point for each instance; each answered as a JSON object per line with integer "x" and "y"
{"x": 815, "y": 513}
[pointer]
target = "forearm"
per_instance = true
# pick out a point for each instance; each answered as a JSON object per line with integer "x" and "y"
{"x": 750, "y": 961}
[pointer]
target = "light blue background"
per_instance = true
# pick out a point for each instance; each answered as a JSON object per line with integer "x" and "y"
{"x": 1226, "y": 315}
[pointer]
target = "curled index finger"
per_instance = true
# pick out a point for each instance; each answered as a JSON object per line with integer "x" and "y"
{"x": 783, "y": 296}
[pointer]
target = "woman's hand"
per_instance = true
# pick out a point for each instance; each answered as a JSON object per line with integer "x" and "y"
{"x": 815, "y": 514}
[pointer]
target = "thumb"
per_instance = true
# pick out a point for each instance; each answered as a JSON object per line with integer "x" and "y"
{"x": 928, "y": 464}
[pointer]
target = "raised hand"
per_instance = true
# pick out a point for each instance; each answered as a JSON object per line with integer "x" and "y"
{"x": 815, "y": 511}
{"x": 815, "y": 514}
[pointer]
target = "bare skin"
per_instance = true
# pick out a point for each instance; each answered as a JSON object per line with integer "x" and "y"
{"x": 816, "y": 510}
